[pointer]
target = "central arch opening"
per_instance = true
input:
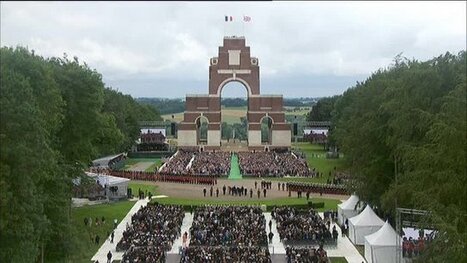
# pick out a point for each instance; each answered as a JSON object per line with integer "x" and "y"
{"x": 234, "y": 107}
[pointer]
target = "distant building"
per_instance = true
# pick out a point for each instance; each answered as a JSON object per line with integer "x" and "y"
{"x": 152, "y": 139}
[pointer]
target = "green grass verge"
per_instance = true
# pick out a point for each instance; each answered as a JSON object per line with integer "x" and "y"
{"x": 87, "y": 248}
{"x": 157, "y": 162}
{"x": 316, "y": 158}
{"x": 132, "y": 161}
{"x": 338, "y": 260}
{"x": 144, "y": 186}
{"x": 328, "y": 203}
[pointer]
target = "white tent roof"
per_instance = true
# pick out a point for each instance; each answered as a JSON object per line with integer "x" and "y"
{"x": 366, "y": 218}
{"x": 385, "y": 236}
{"x": 104, "y": 179}
{"x": 350, "y": 203}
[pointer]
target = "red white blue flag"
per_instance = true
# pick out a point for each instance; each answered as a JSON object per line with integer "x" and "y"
{"x": 228, "y": 18}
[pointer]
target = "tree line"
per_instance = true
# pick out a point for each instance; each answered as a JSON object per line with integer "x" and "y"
{"x": 403, "y": 132}
{"x": 56, "y": 116}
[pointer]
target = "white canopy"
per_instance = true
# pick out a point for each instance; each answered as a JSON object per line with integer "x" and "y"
{"x": 383, "y": 246}
{"x": 347, "y": 209}
{"x": 366, "y": 223}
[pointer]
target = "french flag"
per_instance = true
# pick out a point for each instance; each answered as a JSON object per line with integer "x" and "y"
{"x": 228, "y": 19}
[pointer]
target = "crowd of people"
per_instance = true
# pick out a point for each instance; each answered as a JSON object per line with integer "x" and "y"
{"x": 301, "y": 226}
{"x": 237, "y": 191}
{"x": 272, "y": 164}
{"x": 306, "y": 255}
{"x": 177, "y": 164}
{"x": 317, "y": 188}
{"x": 413, "y": 247}
{"x": 211, "y": 163}
{"x": 212, "y": 180}
{"x": 155, "y": 226}
{"x": 225, "y": 254}
{"x": 228, "y": 226}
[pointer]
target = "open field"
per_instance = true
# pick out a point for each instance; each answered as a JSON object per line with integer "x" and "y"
{"x": 316, "y": 158}
{"x": 86, "y": 247}
{"x": 131, "y": 163}
{"x": 232, "y": 114}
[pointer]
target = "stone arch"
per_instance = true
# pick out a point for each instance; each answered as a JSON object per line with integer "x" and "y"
{"x": 232, "y": 79}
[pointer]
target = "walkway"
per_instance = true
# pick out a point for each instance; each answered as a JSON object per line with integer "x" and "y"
{"x": 101, "y": 254}
{"x": 344, "y": 248}
{"x": 276, "y": 247}
{"x": 186, "y": 224}
{"x": 234, "y": 168}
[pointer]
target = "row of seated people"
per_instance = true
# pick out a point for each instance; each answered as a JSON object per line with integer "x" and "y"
{"x": 152, "y": 226}
{"x": 272, "y": 164}
{"x": 211, "y": 163}
{"x": 150, "y": 146}
{"x": 301, "y": 226}
{"x": 228, "y": 226}
{"x": 177, "y": 164}
{"x": 306, "y": 255}
{"x": 154, "y": 254}
{"x": 217, "y": 254}
{"x": 318, "y": 188}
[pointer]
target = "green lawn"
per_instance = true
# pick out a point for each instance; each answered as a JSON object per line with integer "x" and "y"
{"x": 132, "y": 161}
{"x": 316, "y": 158}
{"x": 157, "y": 162}
{"x": 328, "y": 203}
{"x": 144, "y": 186}
{"x": 338, "y": 260}
{"x": 86, "y": 248}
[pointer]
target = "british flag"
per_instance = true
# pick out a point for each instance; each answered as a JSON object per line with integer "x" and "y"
{"x": 246, "y": 18}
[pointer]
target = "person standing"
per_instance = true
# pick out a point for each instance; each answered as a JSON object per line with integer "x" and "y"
{"x": 264, "y": 192}
{"x": 251, "y": 193}
{"x": 271, "y": 235}
{"x": 204, "y": 191}
{"x": 210, "y": 191}
{"x": 115, "y": 223}
{"x": 109, "y": 257}
{"x": 223, "y": 190}
{"x": 270, "y": 225}
{"x": 256, "y": 184}
{"x": 112, "y": 237}
{"x": 217, "y": 192}
{"x": 259, "y": 193}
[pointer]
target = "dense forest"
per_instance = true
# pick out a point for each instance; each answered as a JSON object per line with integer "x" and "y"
{"x": 56, "y": 116}
{"x": 409, "y": 120}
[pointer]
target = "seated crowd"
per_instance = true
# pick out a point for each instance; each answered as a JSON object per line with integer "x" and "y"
{"x": 178, "y": 164}
{"x": 227, "y": 226}
{"x": 306, "y": 255}
{"x": 318, "y": 188}
{"x": 226, "y": 254}
{"x": 155, "y": 226}
{"x": 211, "y": 163}
{"x": 301, "y": 227}
{"x": 272, "y": 164}
{"x": 227, "y": 234}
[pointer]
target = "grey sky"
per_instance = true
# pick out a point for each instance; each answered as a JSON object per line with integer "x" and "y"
{"x": 306, "y": 49}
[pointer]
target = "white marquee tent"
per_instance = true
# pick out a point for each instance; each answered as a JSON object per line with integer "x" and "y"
{"x": 383, "y": 246}
{"x": 366, "y": 223}
{"x": 347, "y": 209}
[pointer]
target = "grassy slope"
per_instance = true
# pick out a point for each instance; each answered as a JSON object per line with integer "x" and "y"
{"x": 109, "y": 212}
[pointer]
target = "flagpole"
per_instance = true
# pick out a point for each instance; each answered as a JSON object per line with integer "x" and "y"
{"x": 243, "y": 25}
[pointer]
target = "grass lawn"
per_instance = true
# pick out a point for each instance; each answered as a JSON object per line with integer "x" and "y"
{"x": 328, "y": 203}
{"x": 144, "y": 186}
{"x": 316, "y": 158}
{"x": 157, "y": 162}
{"x": 338, "y": 260}
{"x": 132, "y": 161}
{"x": 88, "y": 248}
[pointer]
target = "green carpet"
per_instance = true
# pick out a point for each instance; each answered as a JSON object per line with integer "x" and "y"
{"x": 234, "y": 168}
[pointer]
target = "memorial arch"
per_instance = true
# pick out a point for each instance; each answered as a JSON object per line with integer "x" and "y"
{"x": 234, "y": 63}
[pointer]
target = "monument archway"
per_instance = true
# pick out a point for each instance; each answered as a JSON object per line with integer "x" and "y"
{"x": 234, "y": 63}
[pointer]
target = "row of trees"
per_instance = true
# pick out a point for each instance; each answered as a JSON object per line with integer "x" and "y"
{"x": 409, "y": 120}
{"x": 56, "y": 116}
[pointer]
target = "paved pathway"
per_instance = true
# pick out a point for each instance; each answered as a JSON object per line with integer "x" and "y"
{"x": 101, "y": 254}
{"x": 344, "y": 248}
{"x": 186, "y": 224}
{"x": 276, "y": 247}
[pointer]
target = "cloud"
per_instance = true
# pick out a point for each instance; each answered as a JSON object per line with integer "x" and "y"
{"x": 143, "y": 47}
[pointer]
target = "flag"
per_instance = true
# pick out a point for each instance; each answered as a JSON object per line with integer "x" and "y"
{"x": 228, "y": 18}
{"x": 246, "y": 19}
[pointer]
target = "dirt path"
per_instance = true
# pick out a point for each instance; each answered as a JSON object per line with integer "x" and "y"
{"x": 193, "y": 191}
